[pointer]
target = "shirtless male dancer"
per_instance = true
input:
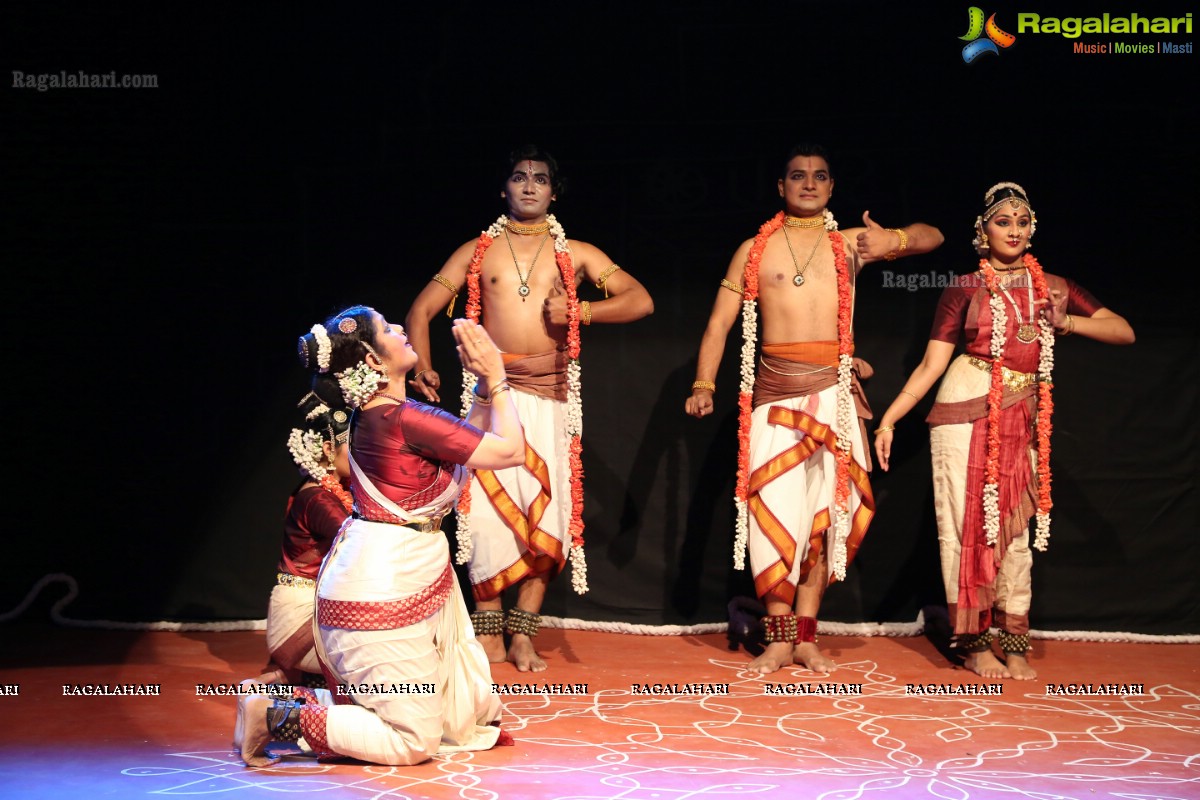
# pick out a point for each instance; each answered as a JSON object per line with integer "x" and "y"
{"x": 803, "y": 495}
{"x": 525, "y": 522}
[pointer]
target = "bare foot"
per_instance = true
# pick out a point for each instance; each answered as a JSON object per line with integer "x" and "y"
{"x": 806, "y": 654}
{"x": 777, "y": 656}
{"x": 986, "y": 665}
{"x": 493, "y": 645}
{"x": 250, "y": 734}
{"x": 270, "y": 676}
{"x": 521, "y": 653}
{"x": 1018, "y": 665}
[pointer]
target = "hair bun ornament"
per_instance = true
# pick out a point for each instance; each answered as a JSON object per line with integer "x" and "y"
{"x": 324, "y": 347}
{"x": 348, "y": 325}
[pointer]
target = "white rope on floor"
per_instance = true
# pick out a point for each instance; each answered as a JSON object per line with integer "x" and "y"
{"x": 73, "y": 591}
{"x": 566, "y": 623}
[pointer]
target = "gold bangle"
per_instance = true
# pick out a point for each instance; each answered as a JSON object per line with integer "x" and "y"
{"x": 884, "y": 429}
{"x": 707, "y": 386}
{"x": 417, "y": 377}
{"x": 585, "y": 312}
{"x": 910, "y": 394}
{"x": 504, "y": 387}
{"x": 1070, "y": 327}
{"x": 731, "y": 286}
{"x": 903, "y": 243}
{"x": 603, "y": 279}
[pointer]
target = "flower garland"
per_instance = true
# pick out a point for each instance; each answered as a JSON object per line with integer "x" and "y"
{"x": 358, "y": 384}
{"x": 324, "y": 346}
{"x": 1045, "y": 403}
{"x": 307, "y": 451}
{"x": 845, "y": 413}
{"x": 574, "y": 409}
{"x": 333, "y": 485}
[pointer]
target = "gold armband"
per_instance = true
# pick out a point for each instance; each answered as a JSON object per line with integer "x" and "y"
{"x": 903, "y": 243}
{"x": 446, "y": 282}
{"x": 731, "y": 286}
{"x": 603, "y": 279}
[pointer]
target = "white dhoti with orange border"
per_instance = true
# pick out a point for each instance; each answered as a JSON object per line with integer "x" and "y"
{"x": 793, "y": 478}
{"x": 520, "y": 516}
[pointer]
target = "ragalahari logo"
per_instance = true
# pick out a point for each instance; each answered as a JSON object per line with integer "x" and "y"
{"x": 976, "y": 27}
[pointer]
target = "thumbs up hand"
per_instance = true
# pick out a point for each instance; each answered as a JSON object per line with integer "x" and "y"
{"x": 874, "y": 241}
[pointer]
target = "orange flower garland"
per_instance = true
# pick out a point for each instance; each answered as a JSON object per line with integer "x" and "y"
{"x": 1045, "y": 402}
{"x": 333, "y": 485}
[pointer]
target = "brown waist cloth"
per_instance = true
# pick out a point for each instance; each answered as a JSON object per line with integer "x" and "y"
{"x": 542, "y": 374}
{"x": 779, "y": 378}
{"x": 975, "y": 408}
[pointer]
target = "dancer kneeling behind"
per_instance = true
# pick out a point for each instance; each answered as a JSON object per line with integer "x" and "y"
{"x": 393, "y": 633}
{"x": 990, "y": 427}
{"x": 315, "y": 513}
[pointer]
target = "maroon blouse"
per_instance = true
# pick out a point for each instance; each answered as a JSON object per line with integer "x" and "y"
{"x": 313, "y": 518}
{"x": 964, "y": 308}
{"x": 409, "y": 451}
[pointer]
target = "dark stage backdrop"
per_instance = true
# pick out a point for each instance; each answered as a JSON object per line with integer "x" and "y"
{"x": 164, "y": 247}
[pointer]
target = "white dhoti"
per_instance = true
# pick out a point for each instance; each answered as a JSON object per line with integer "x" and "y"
{"x": 793, "y": 479}
{"x": 289, "y": 628}
{"x": 520, "y": 516}
{"x": 419, "y": 688}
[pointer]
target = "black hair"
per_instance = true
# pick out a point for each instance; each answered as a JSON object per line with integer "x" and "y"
{"x": 351, "y": 336}
{"x": 532, "y": 152}
{"x": 807, "y": 149}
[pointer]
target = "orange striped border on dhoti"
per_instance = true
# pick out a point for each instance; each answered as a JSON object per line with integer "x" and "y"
{"x": 543, "y": 551}
{"x": 772, "y": 580}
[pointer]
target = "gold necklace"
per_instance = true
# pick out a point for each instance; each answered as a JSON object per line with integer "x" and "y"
{"x": 527, "y": 230}
{"x": 799, "y": 279}
{"x": 1027, "y": 332}
{"x": 523, "y": 289}
{"x": 803, "y": 222}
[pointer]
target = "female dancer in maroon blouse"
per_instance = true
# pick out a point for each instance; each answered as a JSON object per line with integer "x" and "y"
{"x": 990, "y": 426}
{"x": 394, "y": 636}
{"x": 315, "y": 513}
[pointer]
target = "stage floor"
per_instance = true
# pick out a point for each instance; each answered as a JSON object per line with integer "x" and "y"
{"x": 869, "y": 735}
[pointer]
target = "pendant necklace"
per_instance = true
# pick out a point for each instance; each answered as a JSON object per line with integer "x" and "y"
{"x": 799, "y": 279}
{"x": 523, "y": 289}
{"x": 1027, "y": 332}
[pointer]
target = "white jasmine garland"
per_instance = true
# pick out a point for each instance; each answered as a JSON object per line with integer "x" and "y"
{"x": 745, "y": 386}
{"x": 578, "y": 570}
{"x": 307, "y": 451}
{"x": 324, "y": 346}
{"x": 845, "y": 419}
{"x": 359, "y": 384}
{"x": 830, "y": 222}
{"x": 317, "y": 411}
{"x": 991, "y": 491}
